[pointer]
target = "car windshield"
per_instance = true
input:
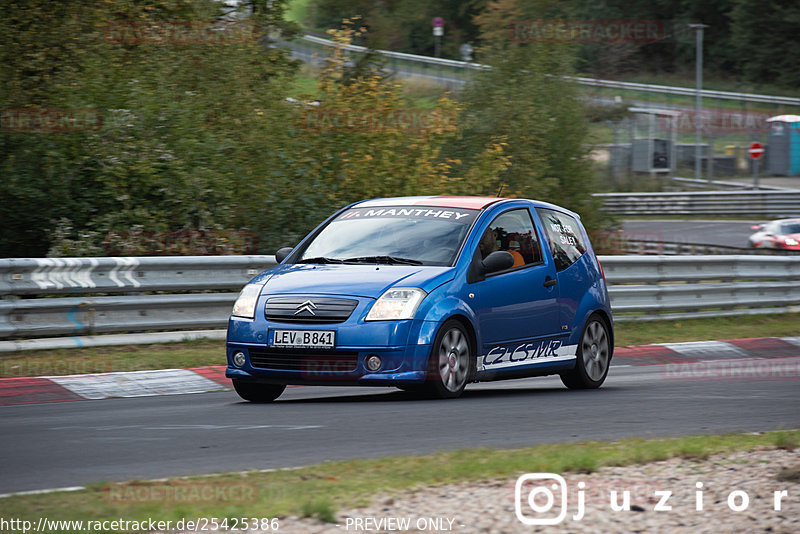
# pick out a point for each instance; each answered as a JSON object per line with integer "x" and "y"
{"x": 790, "y": 228}
{"x": 402, "y": 235}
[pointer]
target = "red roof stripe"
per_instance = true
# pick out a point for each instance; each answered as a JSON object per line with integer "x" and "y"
{"x": 473, "y": 203}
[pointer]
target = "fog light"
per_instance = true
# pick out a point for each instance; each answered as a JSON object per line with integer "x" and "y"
{"x": 238, "y": 359}
{"x": 373, "y": 362}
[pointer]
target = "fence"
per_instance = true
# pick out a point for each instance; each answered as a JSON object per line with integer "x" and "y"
{"x": 641, "y": 287}
{"x": 769, "y": 204}
{"x": 729, "y": 120}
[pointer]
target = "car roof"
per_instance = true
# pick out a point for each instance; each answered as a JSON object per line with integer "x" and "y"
{"x": 443, "y": 201}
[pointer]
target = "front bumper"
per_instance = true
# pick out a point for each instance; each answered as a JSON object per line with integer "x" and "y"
{"x": 403, "y": 347}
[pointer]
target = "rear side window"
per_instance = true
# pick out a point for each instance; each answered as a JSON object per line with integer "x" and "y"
{"x": 564, "y": 235}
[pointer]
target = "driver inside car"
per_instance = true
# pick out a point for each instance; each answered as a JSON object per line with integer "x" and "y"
{"x": 489, "y": 243}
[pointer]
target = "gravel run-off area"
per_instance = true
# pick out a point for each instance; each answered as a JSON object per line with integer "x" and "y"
{"x": 736, "y": 492}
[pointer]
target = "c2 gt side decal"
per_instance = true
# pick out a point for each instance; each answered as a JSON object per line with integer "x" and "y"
{"x": 544, "y": 351}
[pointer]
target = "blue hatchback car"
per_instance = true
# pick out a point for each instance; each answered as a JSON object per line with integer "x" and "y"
{"x": 426, "y": 293}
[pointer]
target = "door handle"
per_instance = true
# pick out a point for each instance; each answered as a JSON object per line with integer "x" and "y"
{"x": 550, "y": 282}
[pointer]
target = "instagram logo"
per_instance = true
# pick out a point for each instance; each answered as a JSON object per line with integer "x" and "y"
{"x": 537, "y": 491}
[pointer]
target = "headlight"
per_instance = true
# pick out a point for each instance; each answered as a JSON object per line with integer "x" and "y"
{"x": 396, "y": 304}
{"x": 245, "y": 305}
{"x": 790, "y": 241}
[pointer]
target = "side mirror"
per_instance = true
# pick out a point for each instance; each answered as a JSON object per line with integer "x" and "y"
{"x": 494, "y": 262}
{"x": 283, "y": 253}
{"x": 498, "y": 260}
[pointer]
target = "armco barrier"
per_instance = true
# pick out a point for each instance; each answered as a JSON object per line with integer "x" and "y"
{"x": 666, "y": 287}
{"x": 671, "y": 248}
{"x": 641, "y": 287}
{"x": 453, "y": 67}
{"x": 101, "y": 288}
{"x": 27, "y": 276}
{"x": 766, "y": 204}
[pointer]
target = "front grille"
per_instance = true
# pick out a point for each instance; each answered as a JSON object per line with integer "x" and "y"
{"x": 306, "y": 360}
{"x": 309, "y": 310}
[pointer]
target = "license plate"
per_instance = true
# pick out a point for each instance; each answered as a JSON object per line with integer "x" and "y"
{"x": 303, "y": 339}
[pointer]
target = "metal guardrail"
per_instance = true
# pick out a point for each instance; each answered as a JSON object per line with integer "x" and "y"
{"x": 667, "y": 287}
{"x": 461, "y": 66}
{"x": 26, "y": 276}
{"x": 687, "y": 91}
{"x": 722, "y": 184}
{"x": 641, "y": 287}
{"x": 771, "y": 204}
{"x": 96, "y": 278}
{"x": 672, "y": 248}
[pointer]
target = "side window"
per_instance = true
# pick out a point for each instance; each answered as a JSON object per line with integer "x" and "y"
{"x": 564, "y": 236}
{"x": 513, "y": 231}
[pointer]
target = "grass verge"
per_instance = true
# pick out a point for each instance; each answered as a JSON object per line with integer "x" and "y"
{"x": 318, "y": 491}
{"x": 645, "y": 332}
{"x": 204, "y": 352}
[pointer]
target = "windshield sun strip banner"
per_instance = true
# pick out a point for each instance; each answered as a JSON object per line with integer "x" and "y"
{"x": 460, "y": 216}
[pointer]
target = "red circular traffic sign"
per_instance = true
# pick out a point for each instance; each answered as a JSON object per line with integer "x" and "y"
{"x": 438, "y": 22}
{"x": 756, "y": 150}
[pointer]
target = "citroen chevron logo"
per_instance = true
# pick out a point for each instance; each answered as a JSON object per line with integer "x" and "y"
{"x": 307, "y": 306}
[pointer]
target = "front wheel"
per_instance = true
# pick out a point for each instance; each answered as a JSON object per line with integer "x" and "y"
{"x": 255, "y": 392}
{"x": 593, "y": 358}
{"x": 450, "y": 362}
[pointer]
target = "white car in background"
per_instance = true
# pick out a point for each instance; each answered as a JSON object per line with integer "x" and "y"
{"x": 781, "y": 234}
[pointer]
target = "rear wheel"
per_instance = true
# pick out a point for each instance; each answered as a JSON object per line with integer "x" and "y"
{"x": 450, "y": 362}
{"x": 255, "y": 392}
{"x": 594, "y": 355}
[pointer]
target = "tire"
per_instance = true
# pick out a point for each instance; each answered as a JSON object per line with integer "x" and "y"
{"x": 255, "y": 392}
{"x": 451, "y": 362}
{"x": 593, "y": 358}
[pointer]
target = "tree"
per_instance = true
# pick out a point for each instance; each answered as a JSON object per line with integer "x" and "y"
{"x": 185, "y": 121}
{"x": 766, "y": 40}
{"x": 377, "y": 154}
{"x": 404, "y": 25}
{"x": 524, "y": 99}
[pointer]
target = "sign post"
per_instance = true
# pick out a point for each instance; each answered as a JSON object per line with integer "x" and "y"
{"x": 755, "y": 152}
{"x": 438, "y": 31}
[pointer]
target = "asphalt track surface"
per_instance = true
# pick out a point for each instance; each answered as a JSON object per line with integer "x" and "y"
{"x": 721, "y": 233}
{"x": 75, "y": 443}
{"x": 707, "y": 232}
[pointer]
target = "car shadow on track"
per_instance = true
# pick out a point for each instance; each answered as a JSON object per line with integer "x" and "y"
{"x": 405, "y": 396}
